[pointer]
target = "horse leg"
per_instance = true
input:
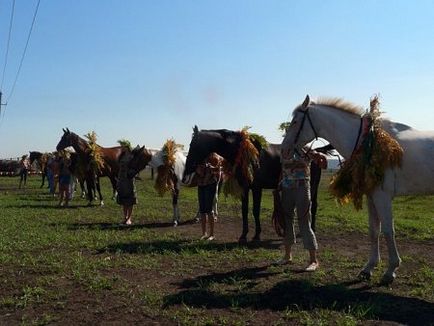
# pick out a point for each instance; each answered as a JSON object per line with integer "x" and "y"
{"x": 113, "y": 182}
{"x": 257, "y": 196}
{"x": 215, "y": 211}
{"x": 383, "y": 203}
{"x": 245, "y": 213}
{"x": 98, "y": 188}
{"x": 43, "y": 180}
{"x": 90, "y": 183}
{"x": 374, "y": 233}
{"x": 83, "y": 191}
{"x": 176, "y": 217}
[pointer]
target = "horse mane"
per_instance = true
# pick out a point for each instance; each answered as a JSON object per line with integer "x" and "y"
{"x": 339, "y": 104}
{"x": 345, "y": 106}
{"x": 224, "y": 132}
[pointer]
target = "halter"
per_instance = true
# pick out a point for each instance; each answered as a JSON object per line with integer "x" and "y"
{"x": 297, "y": 136}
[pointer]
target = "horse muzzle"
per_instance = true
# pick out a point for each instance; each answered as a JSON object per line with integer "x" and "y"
{"x": 187, "y": 179}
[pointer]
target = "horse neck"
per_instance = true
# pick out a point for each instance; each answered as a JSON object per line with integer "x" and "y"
{"x": 79, "y": 145}
{"x": 228, "y": 150}
{"x": 338, "y": 127}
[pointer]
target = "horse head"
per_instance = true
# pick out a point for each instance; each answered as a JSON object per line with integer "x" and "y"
{"x": 197, "y": 152}
{"x": 34, "y": 156}
{"x": 140, "y": 158}
{"x": 301, "y": 129}
{"x": 66, "y": 140}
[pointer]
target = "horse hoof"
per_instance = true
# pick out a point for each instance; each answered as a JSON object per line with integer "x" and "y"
{"x": 256, "y": 238}
{"x": 364, "y": 276}
{"x": 387, "y": 279}
{"x": 242, "y": 240}
{"x": 101, "y": 204}
{"x": 175, "y": 223}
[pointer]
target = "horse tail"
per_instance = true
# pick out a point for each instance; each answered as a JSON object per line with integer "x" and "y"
{"x": 278, "y": 219}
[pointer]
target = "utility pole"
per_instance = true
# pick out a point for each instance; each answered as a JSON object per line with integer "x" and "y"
{"x": 1, "y": 103}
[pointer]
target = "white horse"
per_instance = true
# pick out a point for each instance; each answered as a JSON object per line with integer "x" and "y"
{"x": 339, "y": 122}
{"x": 143, "y": 157}
{"x": 177, "y": 172}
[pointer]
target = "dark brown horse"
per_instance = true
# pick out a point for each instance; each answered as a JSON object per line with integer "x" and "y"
{"x": 41, "y": 159}
{"x": 110, "y": 157}
{"x": 266, "y": 174}
{"x": 141, "y": 157}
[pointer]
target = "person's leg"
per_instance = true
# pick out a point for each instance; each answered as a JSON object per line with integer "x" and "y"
{"x": 211, "y": 226}
{"x": 129, "y": 213}
{"x": 202, "y": 209}
{"x": 66, "y": 194}
{"x": 125, "y": 211}
{"x": 211, "y": 191}
{"x": 21, "y": 179}
{"x": 60, "y": 195}
{"x": 25, "y": 177}
{"x": 203, "y": 218}
{"x": 288, "y": 211}
{"x": 304, "y": 217}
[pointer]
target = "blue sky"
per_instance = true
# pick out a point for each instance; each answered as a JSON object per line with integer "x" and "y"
{"x": 149, "y": 70}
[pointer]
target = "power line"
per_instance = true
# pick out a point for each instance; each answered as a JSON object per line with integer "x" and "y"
{"x": 7, "y": 44}
{"x": 24, "y": 52}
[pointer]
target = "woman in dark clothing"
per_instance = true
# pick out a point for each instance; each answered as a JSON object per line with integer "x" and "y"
{"x": 24, "y": 170}
{"x": 126, "y": 190}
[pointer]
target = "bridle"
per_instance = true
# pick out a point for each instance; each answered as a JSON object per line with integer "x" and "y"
{"x": 303, "y": 120}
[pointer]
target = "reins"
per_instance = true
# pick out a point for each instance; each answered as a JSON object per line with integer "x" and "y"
{"x": 358, "y": 136}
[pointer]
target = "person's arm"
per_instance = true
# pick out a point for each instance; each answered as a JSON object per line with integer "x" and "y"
{"x": 319, "y": 158}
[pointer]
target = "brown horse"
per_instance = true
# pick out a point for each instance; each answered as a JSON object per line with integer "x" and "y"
{"x": 109, "y": 155}
{"x": 41, "y": 159}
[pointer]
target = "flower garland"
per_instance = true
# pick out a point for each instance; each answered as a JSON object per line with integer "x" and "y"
{"x": 125, "y": 143}
{"x": 164, "y": 182}
{"x": 96, "y": 162}
{"x": 365, "y": 169}
{"x": 247, "y": 160}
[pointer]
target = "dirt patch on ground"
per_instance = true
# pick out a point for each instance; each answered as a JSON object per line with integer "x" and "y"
{"x": 245, "y": 291}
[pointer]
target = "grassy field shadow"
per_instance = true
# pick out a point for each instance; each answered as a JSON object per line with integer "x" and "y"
{"x": 302, "y": 295}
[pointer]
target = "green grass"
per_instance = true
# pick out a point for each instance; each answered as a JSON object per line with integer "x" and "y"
{"x": 78, "y": 265}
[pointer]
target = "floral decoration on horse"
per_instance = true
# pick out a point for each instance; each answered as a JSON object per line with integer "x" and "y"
{"x": 364, "y": 170}
{"x": 164, "y": 181}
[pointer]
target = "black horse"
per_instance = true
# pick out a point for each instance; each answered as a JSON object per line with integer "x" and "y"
{"x": 266, "y": 173}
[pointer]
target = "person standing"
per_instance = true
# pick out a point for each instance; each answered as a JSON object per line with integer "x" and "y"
{"x": 64, "y": 181}
{"x": 126, "y": 191}
{"x": 24, "y": 170}
{"x": 208, "y": 176}
{"x": 295, "y": 194}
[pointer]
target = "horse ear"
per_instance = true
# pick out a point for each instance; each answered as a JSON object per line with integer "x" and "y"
{"x": 64, "y": 131}
{"x": 306, "y": 102}
{"x": 67, "y": 130}
{"x": 195, "y": 129}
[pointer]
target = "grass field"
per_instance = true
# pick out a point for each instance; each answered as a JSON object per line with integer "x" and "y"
{"x": 80, "y": 266}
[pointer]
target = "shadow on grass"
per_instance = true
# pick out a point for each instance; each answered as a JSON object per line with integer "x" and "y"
{"x": 177, "y": 246}
{"x": 253, "y": 273}
{"x": 54, "y": 205}
{"x": 302, "y": 295}
{"x": 120, "y": 226}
